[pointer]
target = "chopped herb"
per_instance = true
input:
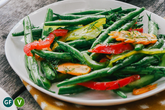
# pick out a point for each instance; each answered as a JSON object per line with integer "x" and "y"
{"x": 66, "y": 69}
{"x": 92, "y": 26}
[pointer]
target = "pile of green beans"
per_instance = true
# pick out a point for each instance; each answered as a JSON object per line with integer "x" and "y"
{"x": 149, "y": 67}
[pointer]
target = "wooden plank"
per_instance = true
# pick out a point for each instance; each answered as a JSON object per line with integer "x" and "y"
{"x": 30, "y": 103}
{"x": 12, "y": 13}
{"x": 155, "y": 6}
{"x": 9, "y": 81}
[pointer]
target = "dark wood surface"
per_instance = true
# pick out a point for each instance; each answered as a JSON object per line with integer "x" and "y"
{"x": 13, "y": 12}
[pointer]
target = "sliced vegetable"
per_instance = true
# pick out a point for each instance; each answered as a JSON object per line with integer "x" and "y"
{"x": 110, "y": 85}
{"x": 39, "y": 45}
{"x": 112, "y": 48}
{"x": 134, "y": 37}
{"x": 103, "y": 60}
{"x": 138, "y": 29}
{"x": 87, "y": 32}
{"x": 60, "y": 32}
{"x": 144, "y": 89}
{"x": 73, "y": 69}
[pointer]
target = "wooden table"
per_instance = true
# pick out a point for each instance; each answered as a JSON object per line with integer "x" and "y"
{"x": 13, "y": 12}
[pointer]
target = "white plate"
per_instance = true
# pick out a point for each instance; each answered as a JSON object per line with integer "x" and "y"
{"x": 15, "y": 54}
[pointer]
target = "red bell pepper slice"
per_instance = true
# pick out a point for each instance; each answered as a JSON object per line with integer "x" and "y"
{"x": 110, "y": 85}
{"x": 138, "y": 29}
{"x": 112, "y": 48}
{"x": 39, "y": 45}
{"x": 60, "y": 32}
{"x": 103, "y": 60}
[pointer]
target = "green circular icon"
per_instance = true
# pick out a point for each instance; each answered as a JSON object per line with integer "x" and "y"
{"x": 8, "y": 102}
{"x": 19, "y": 101}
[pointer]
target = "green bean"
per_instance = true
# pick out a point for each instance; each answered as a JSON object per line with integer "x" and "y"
{"x": 147, "y": 60}
{"x": 61, "y": 77}
{"x": 27, "y": 30}
{"x": 86, "y": 12}
{"x": 85, "y": 51}
{"x": 49, "y": 55}
{"x": 110, "y": 23}
{"x": 152, "y": 26}
{"x": 30, "y": 62}
{"x": 84, "y": 78}
{"x": 120, "y": 93}
{"x": 105, "y": 26}
{"x": 49, "y": 17}
{"x": 96, "y": 56}
{"x": 72, "y": 89}
{"x": 139, "y": 47}
{"x": 33, "y": 69}
{"x": 138, "y": 26}
{"x": 126, "y": 62}
{"x": 74, "y": 52}
{"x": 55, "y": 18}
{"x": 153, "y": 70}
{"x": 99, "y": 73}
{"x": 125, "y": 11}
{"x": 158, "y": 44}
{"x": 84, "y": 21}
{"x": 93, "y": 64}
{"x": 116, "y": 25}
{"x": 47, "y": 70}
{"x": 68, "y": 17}
{"x": 80, "y": 43}
{"x": 70, "y": 28}
{"x": 161, "y": 36}
{"x": 107, "y": 12}
{"x": 82, "y": 57}
{"x": 72, "y": 17}
{"x": 35, "y": 32}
